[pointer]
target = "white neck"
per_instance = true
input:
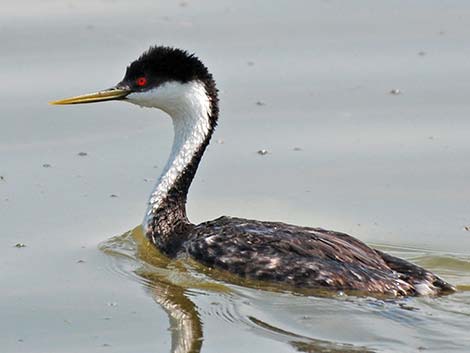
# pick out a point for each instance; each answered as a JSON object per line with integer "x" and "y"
{"x": 189, "y": 107}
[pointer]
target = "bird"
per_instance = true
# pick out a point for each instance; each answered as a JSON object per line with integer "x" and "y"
{"x": 178, "y": 83}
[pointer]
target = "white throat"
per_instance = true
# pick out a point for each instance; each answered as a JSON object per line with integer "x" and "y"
{"x": 189, "y": 107}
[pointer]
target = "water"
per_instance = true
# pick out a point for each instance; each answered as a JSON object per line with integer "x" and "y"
{"x": 343, "y": 153}
{"x": 195, "y": 299}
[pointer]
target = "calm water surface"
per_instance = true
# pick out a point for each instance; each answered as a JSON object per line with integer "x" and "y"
{"x": 310, "y": 82}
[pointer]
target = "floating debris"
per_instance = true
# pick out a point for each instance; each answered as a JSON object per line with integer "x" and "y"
{"x": 46, "y": 165}
{"x": 262, "y": 152}
{"x": 105, "y": 345}
{"x": 113, "y": 195}
{"x": 297, "y": 149}
{"x": 20, "y": 340}
{"x": 147, "y": 180}
{"x": 80, "y": 261}
{"x": 82, "y": 154}
{"x": 395, "y": 91}
{"x": 20, "y": 245}
{"x": 467, "y": 228}
{"x": 111, "y": 304}
{"x": 422, "y": 53}
{"x": 2, "y": 178}
{"x": 183, "y": 4}
{"x": 260, "y": 103}
{"x": 250, "y": 63}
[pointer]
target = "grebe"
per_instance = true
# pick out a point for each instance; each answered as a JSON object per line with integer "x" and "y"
{"x": 178, "y": 83}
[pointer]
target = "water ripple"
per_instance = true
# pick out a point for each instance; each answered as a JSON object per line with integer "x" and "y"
{"x": 196, "y": 297}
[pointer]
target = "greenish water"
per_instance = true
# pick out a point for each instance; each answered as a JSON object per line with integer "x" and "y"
{"x": 308, "y": 81}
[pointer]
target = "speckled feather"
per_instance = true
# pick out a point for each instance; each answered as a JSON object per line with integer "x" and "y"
{"x": 304, "y": 257}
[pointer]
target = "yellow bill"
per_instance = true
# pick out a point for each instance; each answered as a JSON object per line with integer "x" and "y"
{"x": 106, "y": 95}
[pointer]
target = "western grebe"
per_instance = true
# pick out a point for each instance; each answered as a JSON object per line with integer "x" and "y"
{"x": 178, "y": 83}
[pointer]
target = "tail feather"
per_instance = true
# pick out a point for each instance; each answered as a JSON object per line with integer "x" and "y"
{"x": 422, "y": 281}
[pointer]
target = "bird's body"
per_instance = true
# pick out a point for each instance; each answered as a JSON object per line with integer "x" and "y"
{"x": 179, "y": 84}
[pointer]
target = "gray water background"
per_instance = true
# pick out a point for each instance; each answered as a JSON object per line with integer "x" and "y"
{"x": 309, "y": 75}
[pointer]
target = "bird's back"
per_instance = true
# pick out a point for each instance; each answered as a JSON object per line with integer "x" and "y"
{"x": 305, "y": 257}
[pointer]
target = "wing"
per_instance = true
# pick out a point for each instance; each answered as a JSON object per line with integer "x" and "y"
{"x": 298, "y": 256}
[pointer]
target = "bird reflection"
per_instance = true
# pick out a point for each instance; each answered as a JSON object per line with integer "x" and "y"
{"x": 307, "y": 344}
{"x": 169, "y": 281}
{"x": 185, "y": 323}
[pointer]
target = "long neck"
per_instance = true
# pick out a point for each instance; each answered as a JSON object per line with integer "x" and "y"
{"x": 194, "y": 113}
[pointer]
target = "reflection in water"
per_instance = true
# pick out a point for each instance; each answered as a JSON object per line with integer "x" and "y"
{"x": 309, "y": 345}
{"x": 177, "y": 284}
{"x": 185, "y": 324}
{"x": 168, "y": 281}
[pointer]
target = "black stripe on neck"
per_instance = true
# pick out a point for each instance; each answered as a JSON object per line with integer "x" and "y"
{"x": 168, "y": 225}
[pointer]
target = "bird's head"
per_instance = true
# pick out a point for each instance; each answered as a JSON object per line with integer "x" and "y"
{"x": 162, "y": 77}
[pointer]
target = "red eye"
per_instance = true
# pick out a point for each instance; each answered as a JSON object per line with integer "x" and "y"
{"x": 141, "y": 81}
